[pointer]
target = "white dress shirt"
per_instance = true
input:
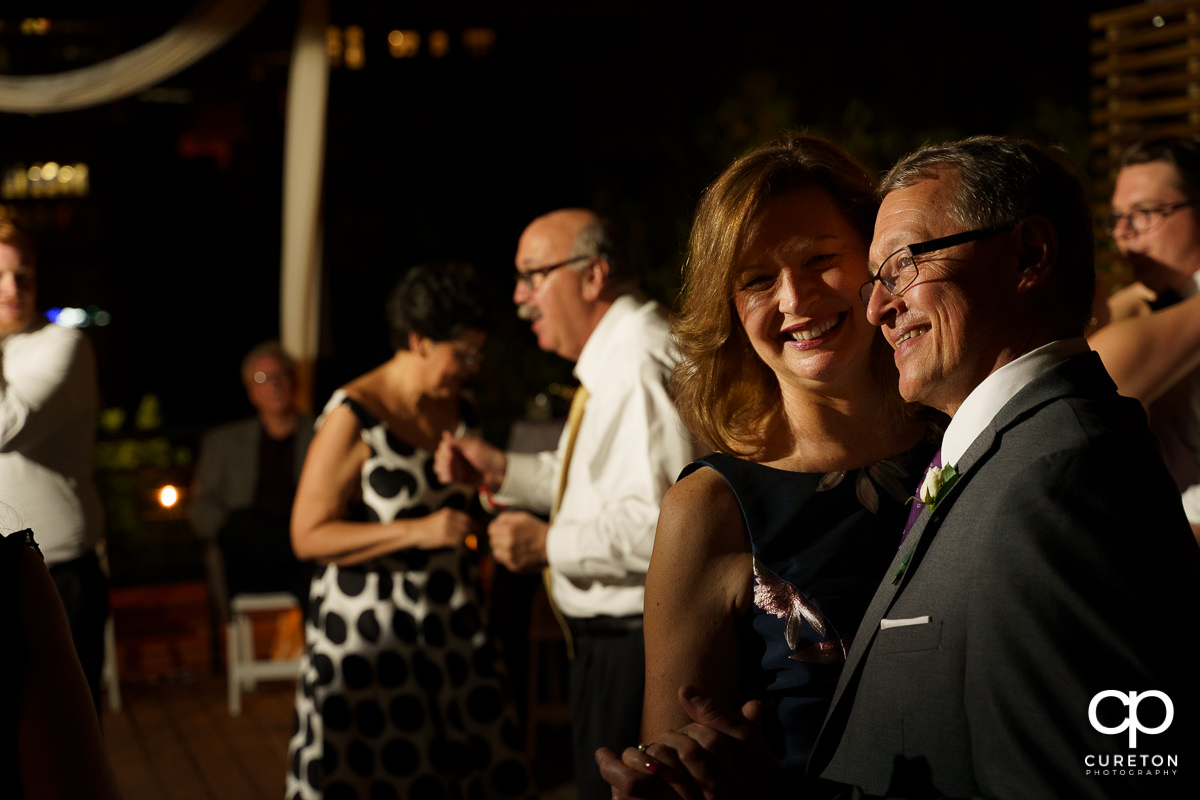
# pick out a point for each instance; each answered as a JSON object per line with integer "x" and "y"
{"x": 985, "y": 400}
{"x": 630, "y": 448}
{"x": 47, "y": 436}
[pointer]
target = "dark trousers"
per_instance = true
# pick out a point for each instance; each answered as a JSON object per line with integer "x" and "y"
{"x": 607, "y": 681}
{"x": 84, "y": 591}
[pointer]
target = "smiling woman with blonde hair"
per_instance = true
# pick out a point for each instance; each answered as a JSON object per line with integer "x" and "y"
{"x": 768, "y": 551}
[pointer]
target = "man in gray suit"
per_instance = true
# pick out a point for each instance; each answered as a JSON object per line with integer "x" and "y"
{"x": 1035, "y": 634}
{"x": 246, "y": 481}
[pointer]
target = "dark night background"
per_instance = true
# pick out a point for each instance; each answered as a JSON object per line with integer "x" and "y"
{"x": 630, "y": 108}
{"x": 627, "y": 107}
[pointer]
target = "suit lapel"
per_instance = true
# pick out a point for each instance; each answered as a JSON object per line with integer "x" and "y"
{"x": 1064, "y": 378}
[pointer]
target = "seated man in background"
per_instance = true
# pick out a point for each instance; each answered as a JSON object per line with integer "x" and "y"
{"x": 246, "y": 481}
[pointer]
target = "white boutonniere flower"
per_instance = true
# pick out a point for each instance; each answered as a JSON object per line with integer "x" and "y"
{"x": 937, "y": 481}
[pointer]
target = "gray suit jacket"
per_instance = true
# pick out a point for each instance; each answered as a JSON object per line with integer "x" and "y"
{"x": 227, "y": 471}
{"x": 1059, "y": 566}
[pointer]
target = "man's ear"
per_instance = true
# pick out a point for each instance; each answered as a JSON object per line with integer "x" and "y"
{"x": 1037, "y": 251}
{"x": 595, "y": 279}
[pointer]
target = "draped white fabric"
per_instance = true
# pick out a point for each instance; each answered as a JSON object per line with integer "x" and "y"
{"x": 304, "y": 149}
{"x": 208, "y": 26}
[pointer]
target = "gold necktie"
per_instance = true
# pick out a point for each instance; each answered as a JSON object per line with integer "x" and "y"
{"x": 574, "y": 418}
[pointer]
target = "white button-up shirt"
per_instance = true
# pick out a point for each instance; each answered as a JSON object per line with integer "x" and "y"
{"x": 630, "y": 448}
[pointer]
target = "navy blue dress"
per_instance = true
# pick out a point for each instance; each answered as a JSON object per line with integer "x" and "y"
{"x": 821, "y": 545}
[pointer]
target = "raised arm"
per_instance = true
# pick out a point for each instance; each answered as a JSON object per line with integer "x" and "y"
{"x": 1147, "y": 353}
{"x": 44, "y": 382}
{"x": 328, "y": 483}
{"x": 699, "y": 583}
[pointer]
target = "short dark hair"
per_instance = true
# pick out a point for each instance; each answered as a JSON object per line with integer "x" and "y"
{"x": 1002, "y": 181}
{"x": 1181, "y": 152}
{"x": 440, "y": 302}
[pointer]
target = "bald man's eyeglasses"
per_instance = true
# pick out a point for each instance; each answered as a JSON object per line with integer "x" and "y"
{"x": 527, "y": 276}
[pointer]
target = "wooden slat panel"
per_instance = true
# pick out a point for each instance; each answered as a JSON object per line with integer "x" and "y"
{"x": 1123, "y": 40}
{"x": 1125, "y": 85}
{"x": 1133, "y": 110}
{"x": 1142, "y": 12}
{"x": 1177, "y": 56}
{"x": 1147, "y": 78}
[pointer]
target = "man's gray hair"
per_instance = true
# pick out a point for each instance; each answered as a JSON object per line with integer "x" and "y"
{"x": 1004, "y": 180}
{"x": 599, "y": 238}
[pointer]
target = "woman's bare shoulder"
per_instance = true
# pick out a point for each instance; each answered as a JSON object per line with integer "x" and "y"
{"x": 703, "y": 508}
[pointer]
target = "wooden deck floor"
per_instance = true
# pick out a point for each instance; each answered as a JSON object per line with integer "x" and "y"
{"x": 173, "y": 738}
{"x": 177, "y": 740}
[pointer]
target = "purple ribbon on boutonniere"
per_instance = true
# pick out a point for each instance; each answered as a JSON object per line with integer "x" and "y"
{"x": 934, "y": 484}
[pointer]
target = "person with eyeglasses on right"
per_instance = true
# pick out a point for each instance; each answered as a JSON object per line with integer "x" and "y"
{"x": 1152, "y": 345}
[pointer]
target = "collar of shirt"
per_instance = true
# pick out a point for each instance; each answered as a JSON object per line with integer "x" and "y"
{"x": 597, "y": 352}
{"x": 982, "y": 404}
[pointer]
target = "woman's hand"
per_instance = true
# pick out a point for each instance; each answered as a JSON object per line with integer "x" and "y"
{"x": 720, "y": 754}
{"x": 445, "y": 527}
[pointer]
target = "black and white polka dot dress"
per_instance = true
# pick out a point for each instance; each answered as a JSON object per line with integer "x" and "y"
{"x": 400, "y": 694}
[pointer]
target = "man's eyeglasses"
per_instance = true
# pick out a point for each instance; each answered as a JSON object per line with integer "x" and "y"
{"x": 899, "y": 270}
{"x": 1143, "y": 220}
{"x": 528, "y": 276}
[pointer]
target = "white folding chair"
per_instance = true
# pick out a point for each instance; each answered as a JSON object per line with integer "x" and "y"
{"x": 244, "y": 670}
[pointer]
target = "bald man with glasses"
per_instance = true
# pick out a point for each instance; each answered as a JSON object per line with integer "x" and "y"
{"x": 623, "y": 446}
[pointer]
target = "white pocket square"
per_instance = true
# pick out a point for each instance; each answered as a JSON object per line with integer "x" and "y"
{"x": 884, "y": 624}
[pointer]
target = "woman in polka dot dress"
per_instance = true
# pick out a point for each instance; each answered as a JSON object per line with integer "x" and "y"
{"x": 400, "y": 694}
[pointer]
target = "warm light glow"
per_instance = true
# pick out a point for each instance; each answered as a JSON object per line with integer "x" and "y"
{"x": 168, "y": 496}
{"x": 479, "y": 41}
{"x": 333, "y": 45}
{"x": 355, "y": 55}
{"x": 49, "y": 179}
{"x": 471, "y": 541}
{"x": 439, "y": 43}
{"x": 404, "y": 44}
{"x": 35, "y": 26}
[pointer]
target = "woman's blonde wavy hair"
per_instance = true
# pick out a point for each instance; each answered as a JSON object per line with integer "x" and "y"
{"x": 726, "y": 395}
